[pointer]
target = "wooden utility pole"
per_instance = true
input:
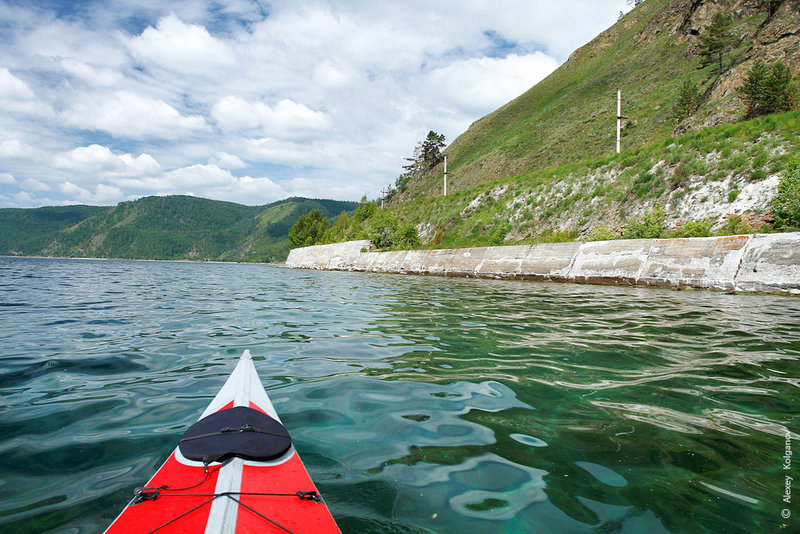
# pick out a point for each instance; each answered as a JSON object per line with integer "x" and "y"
{"x": 383, "y": 195}
{"x": 619, "y": 118}
{"x": 445, "y": 175}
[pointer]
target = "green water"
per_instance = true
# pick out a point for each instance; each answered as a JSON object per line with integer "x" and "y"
{"x": 418, "y": 404}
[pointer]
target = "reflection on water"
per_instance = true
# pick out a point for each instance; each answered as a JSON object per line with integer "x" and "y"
{"x": 418, "y": 404}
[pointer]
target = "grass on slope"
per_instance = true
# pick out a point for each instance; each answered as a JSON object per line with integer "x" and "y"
{"x": 708, "y": 170}
{"x": 571, "y": 115}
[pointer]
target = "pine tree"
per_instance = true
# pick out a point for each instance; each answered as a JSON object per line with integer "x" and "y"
{"x": 427, "y": 154}
{"x": 753, "y": 90}
{"x": 717, "y": 41}
{"x": 689, "y": 99}
{"x": 432, "y": 149}
{"x": 781, "y": 91}
{"x": 768, "y": 90}
{"x": 786, "y": 203}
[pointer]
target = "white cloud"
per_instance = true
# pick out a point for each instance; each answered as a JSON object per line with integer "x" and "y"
{"x": 326, "y": 188}
{"x": 93, "y": 76}
{"x": 41, "y": 36}
{"x": 249, "y": 190}
{"x": 126, "y": 114}
{"x": 211, "y": 181}
{"x": 332, "y": 75}
{"x": 180, "y": 47}
{"x": 103, "y": 194}
{"x": 101, "y": 162}
{"x": 13, "y": 88}
{"x": 17, "y": 96}
{"x": 227, "y": 161}
{"x": 276, "y": 151}
{"x": 15, "y": 149}
{"x": 287, "y": 119}
{"x": 197, "y": 176}
{"x": 23, "y": 199}
{"x": 32, "y": 184}
{"x": 7, "y": 179}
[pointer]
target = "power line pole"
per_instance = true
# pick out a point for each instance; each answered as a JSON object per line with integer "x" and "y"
{"x": 620, "y": 116}
{"x": 445, "y": 175}
{"x": 383, "y": 195}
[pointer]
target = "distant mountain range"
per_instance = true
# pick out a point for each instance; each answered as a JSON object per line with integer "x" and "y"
{"x": 167, "y": 228}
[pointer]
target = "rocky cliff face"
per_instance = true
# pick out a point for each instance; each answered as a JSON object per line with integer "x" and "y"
{"x": 769, "y": 36}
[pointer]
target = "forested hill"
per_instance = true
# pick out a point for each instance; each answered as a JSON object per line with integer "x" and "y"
{"x": 170, "y": 227}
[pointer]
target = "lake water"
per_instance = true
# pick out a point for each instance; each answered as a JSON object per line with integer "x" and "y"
{"x": 418, "y": 404}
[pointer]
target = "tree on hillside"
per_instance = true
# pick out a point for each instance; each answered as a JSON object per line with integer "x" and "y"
{"x": 427, "y": 154}
{"x": 309, "y": 229}
{"x": 782, "y": 92}
{"x": 689, "y": 99}
{"x": 717, "y": 40}
{"x": 385, "y": 231}
{"x": 339, "y": 230}
{"x": 382, "y": 229}
{"x": 364, "y": 210}
{"x": 786, "y": 204}
{"x": 768, "y": 90}
{"x": 754, "y": 88}
{"x": 432, "y": 148}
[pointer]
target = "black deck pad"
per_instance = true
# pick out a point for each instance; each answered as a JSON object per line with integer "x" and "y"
{"x": 240, "y": 431}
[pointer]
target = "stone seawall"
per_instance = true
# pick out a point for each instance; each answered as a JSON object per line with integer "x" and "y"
{"x": 761, "y": 263}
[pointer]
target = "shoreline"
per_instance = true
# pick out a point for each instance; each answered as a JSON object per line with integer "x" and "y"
{"x": 86, "y": 258}
{"x": 753, "y": 263}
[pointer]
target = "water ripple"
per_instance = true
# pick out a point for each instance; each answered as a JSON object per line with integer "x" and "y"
{"x": 418, "y": 404}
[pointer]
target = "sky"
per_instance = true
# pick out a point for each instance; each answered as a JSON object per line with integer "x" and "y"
{"x": 254, "y": 101}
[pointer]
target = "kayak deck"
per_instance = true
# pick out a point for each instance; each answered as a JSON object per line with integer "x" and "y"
{"x": 235, "y": 496}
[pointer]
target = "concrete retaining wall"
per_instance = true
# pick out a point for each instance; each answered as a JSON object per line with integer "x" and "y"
{"x": 762, "y": 263}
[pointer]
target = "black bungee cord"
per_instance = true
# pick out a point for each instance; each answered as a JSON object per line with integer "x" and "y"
{"x": 152, "y": 493}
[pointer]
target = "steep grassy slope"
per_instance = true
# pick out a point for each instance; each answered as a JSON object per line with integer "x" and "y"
{"x": 721, "y": 178}
{"x": 172, "y": 227}
{"x": 648, "y": 54}
{"x": 544, "y": 166}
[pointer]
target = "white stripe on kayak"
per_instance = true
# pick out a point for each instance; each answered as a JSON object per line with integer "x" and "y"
{"x": 242, "y": 383}
{"x": 222, "y": 517}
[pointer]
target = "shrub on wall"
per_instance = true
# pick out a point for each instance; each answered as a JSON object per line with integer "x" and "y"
{"x": 786, "y": 203}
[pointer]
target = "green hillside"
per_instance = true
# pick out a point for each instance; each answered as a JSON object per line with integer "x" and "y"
{"x": 544, "y": 166}
{"x": 170, "y": 227}
{"x": 720, "y": 180}
{"x": 28, "y": 231}
{"x": 648, "y": 54}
